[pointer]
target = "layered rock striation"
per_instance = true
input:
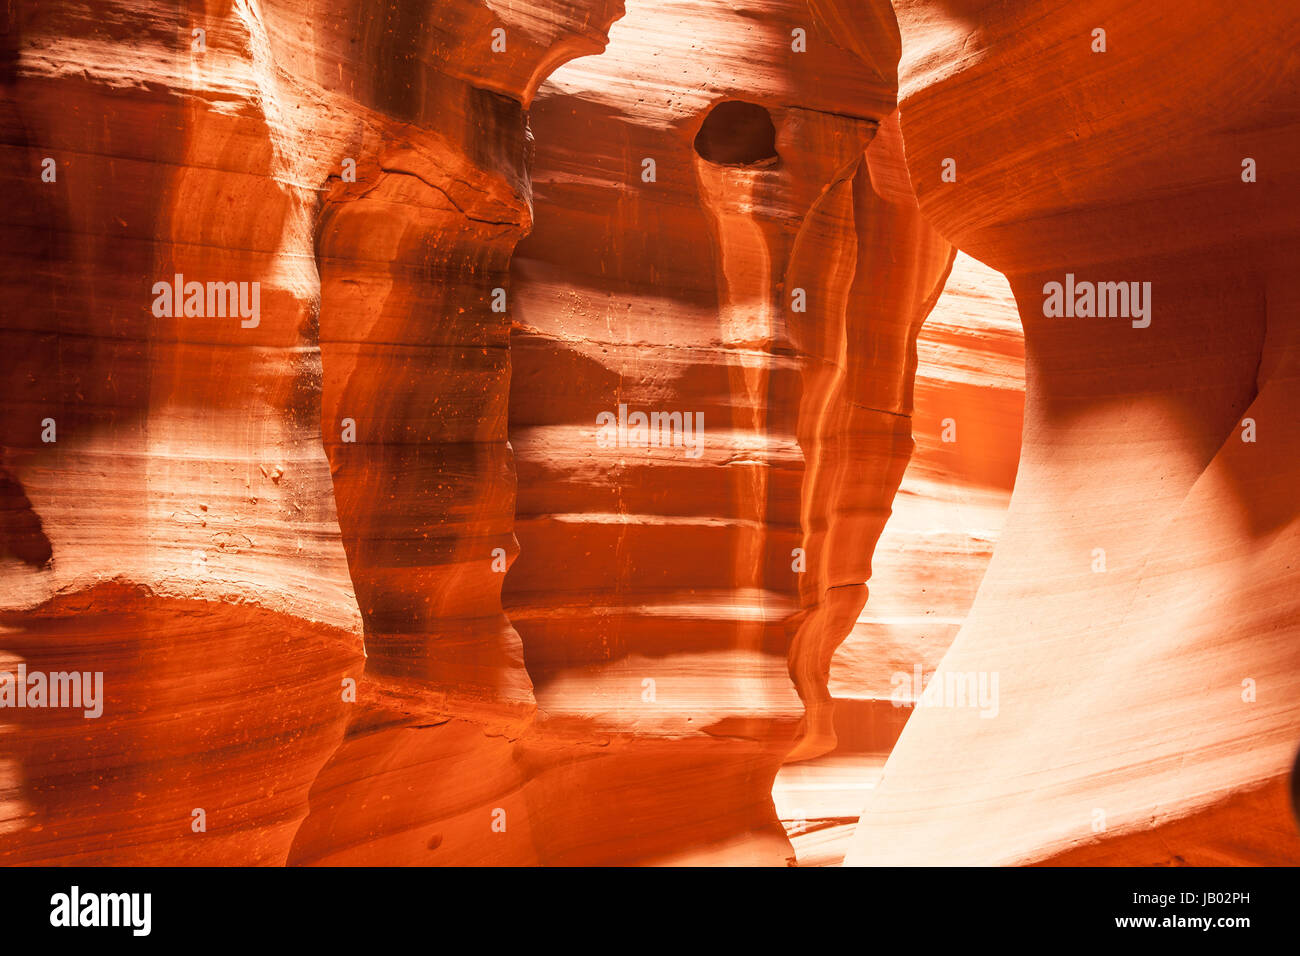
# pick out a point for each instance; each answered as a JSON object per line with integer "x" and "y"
{"x": 210, "y": 506}
{"x": 1140, "y": 607}
{"x": 930, "y": 559}
{"x": 468, "y": 432}
{"x": 711, "y": 243}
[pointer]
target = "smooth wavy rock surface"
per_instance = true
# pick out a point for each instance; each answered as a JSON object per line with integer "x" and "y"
{"x": 566, "y": 432}
{"x": 1141, "y": 606}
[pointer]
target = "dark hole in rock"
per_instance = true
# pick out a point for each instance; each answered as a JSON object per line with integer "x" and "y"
{"x": 737, "y": 134}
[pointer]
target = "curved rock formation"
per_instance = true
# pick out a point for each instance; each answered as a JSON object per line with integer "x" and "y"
{"x": 169, "y": 514}
{"x": 371, "y": 538}
{"x": 365, "y": 172}
{"x": 169, "y": 459}
{"x": 1141, "y": 606}
{"x": 931, "y": 556}
{"x": 724, "y": 254}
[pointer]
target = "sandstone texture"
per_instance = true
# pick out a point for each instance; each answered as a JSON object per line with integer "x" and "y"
{"x": 594, "y": 426}
{"x": 931, "y": 557}
{"x": 1141, "y": 605}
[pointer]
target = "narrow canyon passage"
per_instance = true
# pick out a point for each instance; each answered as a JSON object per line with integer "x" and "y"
{"x": 1141, "y": 608}
{"x": 570, "y": 432}
{"x": 930, "y": 559}
{"x": 692, "y": 256}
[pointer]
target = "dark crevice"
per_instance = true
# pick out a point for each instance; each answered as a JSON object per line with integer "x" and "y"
{"x": 736, "y": 133}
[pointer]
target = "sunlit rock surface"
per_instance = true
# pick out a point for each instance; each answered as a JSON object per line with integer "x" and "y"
{"x": 676, "y": 602}
{"x": 1141, "y": 607}
{"x": 183, "y": 507}
{"x": 379, "y": 568}
{"x": 930, "y": 559}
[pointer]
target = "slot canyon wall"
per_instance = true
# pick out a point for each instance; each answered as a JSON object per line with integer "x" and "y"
{"x": 235, "y": 518}
{"x": 383, "y": 571}
{"x": 1141, "y": 606}
{"x": 930, "y": 559}
{"x": 701, "y": 594}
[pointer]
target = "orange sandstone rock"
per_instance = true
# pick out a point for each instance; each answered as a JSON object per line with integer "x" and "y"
{"x": 1141, "y": 605}
{"x": 171, "y": 474}
{"x": 378, "y": 540}
{"x": 723, "y": 252}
